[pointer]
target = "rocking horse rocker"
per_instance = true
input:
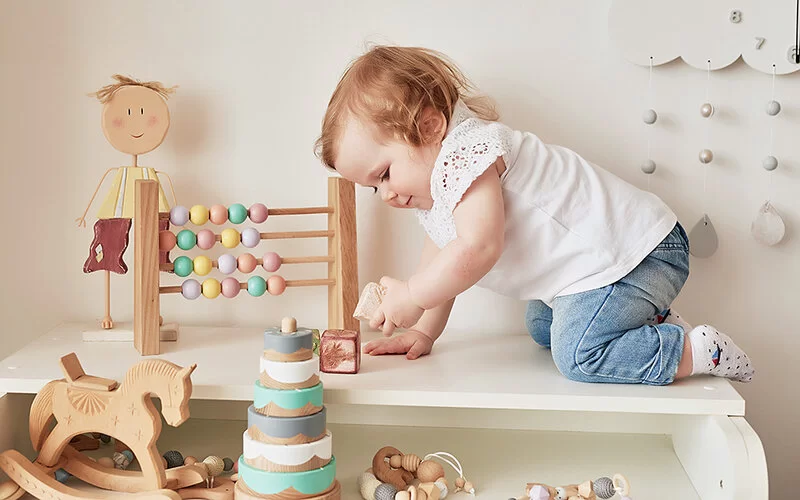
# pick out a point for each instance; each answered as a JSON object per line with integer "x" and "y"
{"x": 83, "y": 404}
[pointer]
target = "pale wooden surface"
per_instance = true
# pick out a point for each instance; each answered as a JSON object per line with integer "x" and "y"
{"x": 464, "y": 371}
{"x": 343, "y": 297}
{"x": 146, "y": 306}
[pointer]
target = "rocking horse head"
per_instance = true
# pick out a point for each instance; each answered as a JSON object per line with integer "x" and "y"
{"x": 167, "y": 381}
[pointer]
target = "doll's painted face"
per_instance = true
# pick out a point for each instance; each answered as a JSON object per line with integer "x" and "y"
{"x": 135, "y": 120}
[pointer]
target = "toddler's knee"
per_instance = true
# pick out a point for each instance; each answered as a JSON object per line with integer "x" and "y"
{"x": 574, "y": 365}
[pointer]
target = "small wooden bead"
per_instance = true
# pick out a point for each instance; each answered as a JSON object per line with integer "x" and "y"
{"x": 227, "y": 263}
{"x": 247, "y": 263}
{"x": 230, "y": 238}
{"x": 198, "y": 214}
{"x": 205, "y": 239}
{"x": 190, "y": 460}
{"x": 256, "y": 286}
{"x": 230, "y": 287}
{"x": 106, "y": 462}
{"x": 276, "y": 285}
{"x": 186, "y": 239}
{"x": 429, "y": 471}
{"x": 237, "y": 213}
{"x": 211, "y": 288}
{"x": 271, "y": 262}
{"x": 410, "y": 462}
{"x": 202, "y": 265}
{"x": 183, "y": 266}
{"x": 258, "y": 213}
{"x": 251, "y": 237}
{"x": 396, "y": 461}
{"x": 403, "y": 495}
{"x": 190, "y": 289}
{"x": 215, "y": 465}
{"x": 166, "y": 240}
{"x": 218, "y": 214}
{"x": 178, "y": 216}
{"x": 289, "y": 325}
{"x": 459, "y": 482}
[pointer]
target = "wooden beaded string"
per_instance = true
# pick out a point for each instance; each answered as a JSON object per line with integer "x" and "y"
{"x": 458, "y": 468}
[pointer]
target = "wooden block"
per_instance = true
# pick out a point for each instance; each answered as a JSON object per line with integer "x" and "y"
{"x": 96, "y": 383}
{"x": 340, "y": 351}
{"x": 71, "y": 367}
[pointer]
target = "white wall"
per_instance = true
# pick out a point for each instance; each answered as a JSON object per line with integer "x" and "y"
{"x": 254, "y": 80}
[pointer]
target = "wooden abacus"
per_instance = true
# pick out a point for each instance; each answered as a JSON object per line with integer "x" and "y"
{"x": 342, "y": 279}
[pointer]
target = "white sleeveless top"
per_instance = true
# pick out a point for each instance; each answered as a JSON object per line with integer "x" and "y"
{"x": 570, "y": 226}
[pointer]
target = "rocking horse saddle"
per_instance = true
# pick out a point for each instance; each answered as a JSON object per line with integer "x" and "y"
{"x": 73, "y": 372}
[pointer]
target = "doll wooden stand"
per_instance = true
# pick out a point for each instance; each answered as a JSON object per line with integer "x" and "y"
{"x": 135, "y": 121}
{"x": 82, "y": 403}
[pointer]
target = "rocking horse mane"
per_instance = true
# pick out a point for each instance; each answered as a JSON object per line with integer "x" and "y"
{"x": 149, "y": 367}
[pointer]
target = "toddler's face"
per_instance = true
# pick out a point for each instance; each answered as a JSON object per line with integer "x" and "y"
{"x": 135, "y": 120}
{"x": 401, "y": 173}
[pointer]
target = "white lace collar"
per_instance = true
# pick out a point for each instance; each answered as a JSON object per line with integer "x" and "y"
{"x": 470, "y": 146}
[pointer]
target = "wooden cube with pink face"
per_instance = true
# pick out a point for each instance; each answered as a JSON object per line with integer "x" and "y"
{"x": 340, "y": 351}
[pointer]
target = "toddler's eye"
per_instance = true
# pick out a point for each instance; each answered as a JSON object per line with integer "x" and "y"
{"x": 385, "y": 174}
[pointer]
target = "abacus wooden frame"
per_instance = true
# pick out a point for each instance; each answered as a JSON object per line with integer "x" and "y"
{"x": 342, "y": 280}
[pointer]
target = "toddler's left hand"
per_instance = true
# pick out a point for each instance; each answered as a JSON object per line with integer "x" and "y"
{"x": 396, "y": 310}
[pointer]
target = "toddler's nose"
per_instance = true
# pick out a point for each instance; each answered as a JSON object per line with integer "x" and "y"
{"x": 388, "y": 195}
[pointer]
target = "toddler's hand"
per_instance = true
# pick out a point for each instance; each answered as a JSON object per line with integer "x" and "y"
{"x": 396, "y": 310}
{"x": 411, "y": 343}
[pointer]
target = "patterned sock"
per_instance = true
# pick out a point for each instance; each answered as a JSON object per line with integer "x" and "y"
{"x": 715, "y": 353}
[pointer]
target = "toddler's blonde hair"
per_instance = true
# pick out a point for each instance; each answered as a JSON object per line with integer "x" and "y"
{"x": 390, "y": 86}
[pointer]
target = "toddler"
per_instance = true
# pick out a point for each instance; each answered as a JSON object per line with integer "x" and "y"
{"x": 598, "y": 260}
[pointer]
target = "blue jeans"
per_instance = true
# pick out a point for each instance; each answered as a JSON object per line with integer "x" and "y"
{"x": 604, "y": 335}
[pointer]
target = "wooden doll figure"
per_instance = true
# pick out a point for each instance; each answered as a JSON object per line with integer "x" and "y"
{"x": 135, "y": 121}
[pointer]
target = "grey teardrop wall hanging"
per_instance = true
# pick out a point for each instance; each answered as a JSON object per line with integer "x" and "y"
{"x": 703, "y": 240}
{"x": 768, "y": 227}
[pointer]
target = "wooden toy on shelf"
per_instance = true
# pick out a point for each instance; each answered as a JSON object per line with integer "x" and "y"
{"x": 397, "y": 476}
{"x": 603, "y": 488}
{"x": 340, "y": 351}
{"x": 135, "y": 120}
{"x": 287, "y": 450}
{"x": 150, "y": 242}
{"x": 82, "y": 404}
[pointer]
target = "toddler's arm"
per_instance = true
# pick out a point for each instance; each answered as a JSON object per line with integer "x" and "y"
{"x": 480, "y": 225}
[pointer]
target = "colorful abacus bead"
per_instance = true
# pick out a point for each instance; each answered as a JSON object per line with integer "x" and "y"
{"x": 190, "y": 289}
{"x": 230, "y": 238}
{"x": 250, "y": 237}
{"x": 247, "y": 263}
{"x": 211, "y": 288}
{"x": 205, "y": 239}
{"x": 183, "y": 266}
{"x": 178, "y": 216}
{"x": 276, "y": 285}
{"x": 237, "y": 213}
{"x": 258, "y": 213}
{"x": 218, "y": 214}
{"x": 166, "y": 241}
{"x": 186, "y": 239}
{"x": 202, "y": 265}
{"x": 256, "y": 286}
{"x": 230, "y": 287}
{"x": 198, "y": 214}
{"x": 271, "y": 262}
{"x": 226, "y": 263}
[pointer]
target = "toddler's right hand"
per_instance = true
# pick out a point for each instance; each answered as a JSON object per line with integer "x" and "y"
{"x": 411, "y": 343}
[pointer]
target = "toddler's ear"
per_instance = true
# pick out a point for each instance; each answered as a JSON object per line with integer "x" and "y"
{"x": 432, "y": 125}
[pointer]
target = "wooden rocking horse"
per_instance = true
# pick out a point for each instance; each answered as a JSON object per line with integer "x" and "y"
{"x": 83, "y": 404}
